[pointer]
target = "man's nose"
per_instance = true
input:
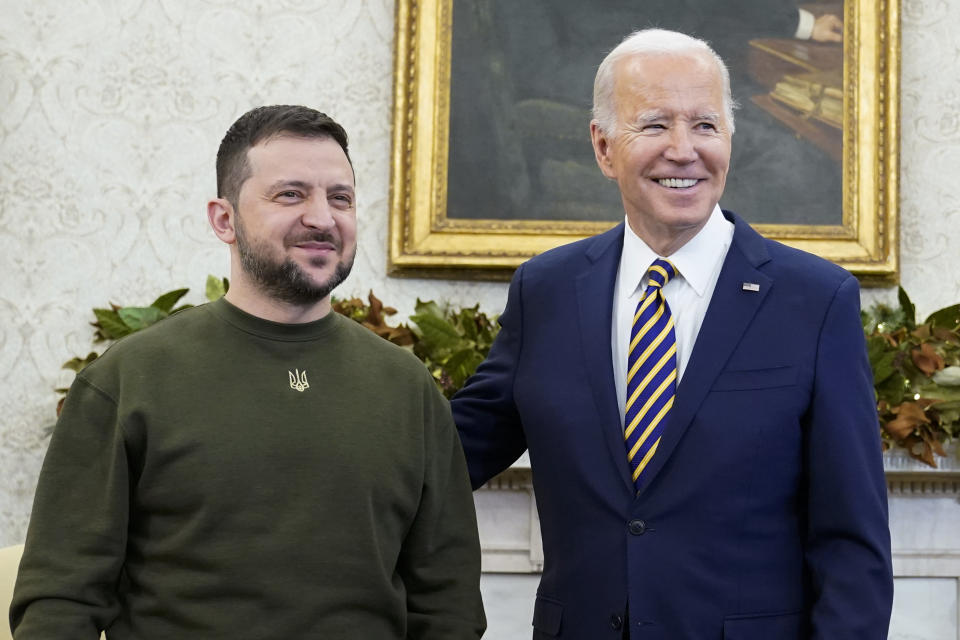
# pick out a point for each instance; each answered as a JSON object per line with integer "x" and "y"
{"x": 681, "y": 147}
{"x": 318, "y": 214}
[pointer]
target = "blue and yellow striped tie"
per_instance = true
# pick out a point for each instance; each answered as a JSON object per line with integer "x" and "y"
{"x": 651, "y": 371}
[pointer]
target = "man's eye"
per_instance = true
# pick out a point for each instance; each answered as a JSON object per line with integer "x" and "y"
{"x": 342, "y": 200}
{"x": 707, "y": 125}
{"x": 288, "y": 194}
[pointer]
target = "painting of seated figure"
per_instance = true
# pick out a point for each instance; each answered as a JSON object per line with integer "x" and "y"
{"x": 508, "y": 169}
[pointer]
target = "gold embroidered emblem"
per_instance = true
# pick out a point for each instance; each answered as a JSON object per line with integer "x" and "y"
{"x": 298, "y": 380}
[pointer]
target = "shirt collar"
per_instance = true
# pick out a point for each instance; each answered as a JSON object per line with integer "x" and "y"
{"x": 695, "y": 261}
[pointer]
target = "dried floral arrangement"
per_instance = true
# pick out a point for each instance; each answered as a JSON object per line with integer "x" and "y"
{"x": 916, "y": 366}
{"x": 916, "y": 376}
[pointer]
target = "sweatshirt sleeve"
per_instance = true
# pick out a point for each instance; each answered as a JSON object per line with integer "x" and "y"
{"x": 440, "y": 559}
{"x": 66, "y": 587}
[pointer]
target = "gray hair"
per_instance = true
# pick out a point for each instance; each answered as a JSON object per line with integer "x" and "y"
{"x": 650, "y": 42}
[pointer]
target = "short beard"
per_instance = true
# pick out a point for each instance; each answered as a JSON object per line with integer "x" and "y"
{"x": 284, "y": 280}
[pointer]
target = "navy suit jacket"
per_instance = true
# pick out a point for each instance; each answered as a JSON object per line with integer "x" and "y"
{"x": 765, "y": 511}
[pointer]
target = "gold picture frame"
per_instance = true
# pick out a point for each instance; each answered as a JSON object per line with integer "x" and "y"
{"x": 425, "y": 242}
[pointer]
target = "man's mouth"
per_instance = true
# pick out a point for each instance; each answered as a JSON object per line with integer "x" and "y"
{"x": 677, "y": 183}
{"x": 316, "y": 242}
{"x": 326, "y": 246}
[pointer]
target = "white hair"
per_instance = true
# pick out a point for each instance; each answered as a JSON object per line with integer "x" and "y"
{"x": 650, "y": 42}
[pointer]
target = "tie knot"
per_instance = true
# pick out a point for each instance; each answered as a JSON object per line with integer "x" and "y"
{"x": 660, "y": 273}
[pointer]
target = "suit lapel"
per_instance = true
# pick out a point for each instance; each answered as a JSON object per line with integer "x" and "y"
{"x": 730, "y": 312}
{"x": 595, "y": 307}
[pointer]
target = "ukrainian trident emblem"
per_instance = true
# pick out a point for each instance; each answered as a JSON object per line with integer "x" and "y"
{"x": 298, "y": 380}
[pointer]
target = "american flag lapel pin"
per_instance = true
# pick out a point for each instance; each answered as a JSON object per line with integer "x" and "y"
{"x": 751, "y": 286}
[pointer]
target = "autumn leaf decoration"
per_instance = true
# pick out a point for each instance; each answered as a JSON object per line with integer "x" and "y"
{"x": 916, "y": 375}
{"x": 373, "y": 317}
{"x": 916, "y": 367}
{"x": 450, "y": 342}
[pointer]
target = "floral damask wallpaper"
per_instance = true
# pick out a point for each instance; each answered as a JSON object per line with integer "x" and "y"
{"x": 110, "y": 115}
{"x": 930, "y": 152}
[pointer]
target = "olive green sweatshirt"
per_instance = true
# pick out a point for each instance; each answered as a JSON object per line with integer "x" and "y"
{"x": 222, "y": 476}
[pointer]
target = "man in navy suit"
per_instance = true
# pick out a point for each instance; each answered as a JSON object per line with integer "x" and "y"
{"x": 702, "y": 433}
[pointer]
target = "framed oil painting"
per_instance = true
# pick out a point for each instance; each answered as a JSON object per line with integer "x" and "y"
{"x": 492, "y": 161}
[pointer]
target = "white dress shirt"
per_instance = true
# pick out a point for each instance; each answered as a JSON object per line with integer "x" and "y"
{"x": 688, "y": 294}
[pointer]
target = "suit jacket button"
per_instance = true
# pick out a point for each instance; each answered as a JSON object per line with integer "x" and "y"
{"x": 616, "y": 622}
{"x": 637, "y": 527}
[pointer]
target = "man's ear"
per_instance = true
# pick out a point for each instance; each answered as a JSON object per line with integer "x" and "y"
{"x": 602, "y": 150}
{"x": 221, "y": 216}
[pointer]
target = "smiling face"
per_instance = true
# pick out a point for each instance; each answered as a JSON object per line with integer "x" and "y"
{"x": 294, "y": 227}
{"x": 671, "y": 150}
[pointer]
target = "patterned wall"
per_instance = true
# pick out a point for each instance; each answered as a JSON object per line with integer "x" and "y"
{"x": 930, "y": 152}
{"x": 110, "y": 115}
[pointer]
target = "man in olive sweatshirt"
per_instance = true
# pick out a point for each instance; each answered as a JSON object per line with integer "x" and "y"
{"x": 257, "y": 467}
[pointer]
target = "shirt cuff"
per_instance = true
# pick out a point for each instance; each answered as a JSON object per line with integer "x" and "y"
{"x": 805, "y": 25}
